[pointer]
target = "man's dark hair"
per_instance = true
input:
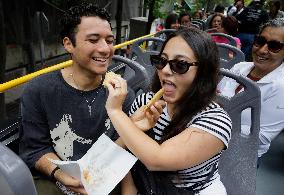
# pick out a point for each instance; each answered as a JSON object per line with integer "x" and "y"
{"x": 182, "y": 15}
{"x": 203, "y": 88}
{"x": 72, "y": 18}
{"x": 219, "y": 9}
{"x": 171, "y": 19}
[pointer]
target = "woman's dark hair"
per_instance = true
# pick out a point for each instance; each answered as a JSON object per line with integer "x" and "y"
{"x": 203, "y": 88}
{"x": 171, "y": 19}
{"x": 219, "y": 9}
{"x": 182, "y": 15}
{"x": 72, "y": 18}
{"x": 213, "y": 16}
{"x": 230, "y": 25}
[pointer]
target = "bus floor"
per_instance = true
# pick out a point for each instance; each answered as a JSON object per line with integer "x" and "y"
{"x": 270, "y": 176}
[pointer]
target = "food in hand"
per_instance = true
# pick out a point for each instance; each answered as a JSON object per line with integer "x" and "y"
{"x": 155, "y": 98}
{"x": 87, "y": 176}
{"x": 108, "y": 77}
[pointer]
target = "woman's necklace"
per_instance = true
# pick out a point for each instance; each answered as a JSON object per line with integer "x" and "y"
{"x": 89, "y": 103}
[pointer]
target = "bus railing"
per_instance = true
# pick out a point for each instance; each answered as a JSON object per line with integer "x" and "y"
{"x": 21, "y": 80}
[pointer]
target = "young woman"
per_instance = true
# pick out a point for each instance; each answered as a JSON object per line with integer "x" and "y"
{"x": 192, "y": 131}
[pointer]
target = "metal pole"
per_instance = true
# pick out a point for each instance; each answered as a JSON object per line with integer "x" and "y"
{"x": 2, "y": 62}
{"x": 118, "y": 18}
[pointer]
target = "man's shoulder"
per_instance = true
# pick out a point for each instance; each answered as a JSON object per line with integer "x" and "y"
{"x": 44, "y": 80}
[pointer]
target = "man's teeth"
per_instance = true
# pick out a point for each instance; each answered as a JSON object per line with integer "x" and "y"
{"x": 100, "y": 59}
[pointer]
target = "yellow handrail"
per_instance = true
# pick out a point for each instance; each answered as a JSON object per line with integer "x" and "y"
{"x": 18, "y": 81}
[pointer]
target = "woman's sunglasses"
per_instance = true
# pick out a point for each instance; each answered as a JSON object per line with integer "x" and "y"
{"x": 273, "y": 46}
{"x": 177, "y": 66}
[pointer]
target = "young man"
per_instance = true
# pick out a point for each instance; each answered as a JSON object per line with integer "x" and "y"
{"x": 63, "y": 112}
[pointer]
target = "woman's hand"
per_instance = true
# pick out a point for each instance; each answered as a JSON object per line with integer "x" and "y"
{"x": 146, "y": 120}
{"x": 117, "y": 88}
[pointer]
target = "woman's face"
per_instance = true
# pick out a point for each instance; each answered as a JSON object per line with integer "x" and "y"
{"x": 175, "y": 25}
{"x": 216, "y": 22}
{"x": 185, "y": 21}
{"x": 176, "y": 85}
{"x": 265, "y": 60}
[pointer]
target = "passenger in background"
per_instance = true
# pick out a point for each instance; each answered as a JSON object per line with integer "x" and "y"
{"x": 237, "y": 8}
{"x": 63, "y": 112}
{"x": 197, "y": 15}
{"x": 184, "y": 147}
{"x": 171, "y": 21}
{"x": 229, "y": 26}
{"x": 274, "y": 10}
{"x": 215, "y": 23}
{"x": 218, "y": 9}
{"x": 250, "y": 20}
{"x": 184, "y": 19}
{"x": 267, "y": 70}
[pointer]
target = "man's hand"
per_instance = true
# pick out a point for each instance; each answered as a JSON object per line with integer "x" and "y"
{"x": 146, "y": 120}
{"x": 45, "y": 166}
{"x": 70, "y": 182}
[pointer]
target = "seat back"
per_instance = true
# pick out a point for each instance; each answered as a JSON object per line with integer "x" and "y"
{"x": 135, "y": 74}
{"x": 15, "y": 176}
{"x": 231, "y": 40}
{"x": 229, "y": 55}
{"x": 238, "y": 164}
{"x": 142, "y": 56}
{"x": 163, "y": 34}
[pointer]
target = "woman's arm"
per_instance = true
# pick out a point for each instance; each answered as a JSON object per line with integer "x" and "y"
{"x": 187, "y": 149}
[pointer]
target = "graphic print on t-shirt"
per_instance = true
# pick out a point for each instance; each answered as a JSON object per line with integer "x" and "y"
{"x": 63, "y": 137}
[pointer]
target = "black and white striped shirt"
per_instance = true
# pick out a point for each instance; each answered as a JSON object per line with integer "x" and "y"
{"x": 213, "y": 119}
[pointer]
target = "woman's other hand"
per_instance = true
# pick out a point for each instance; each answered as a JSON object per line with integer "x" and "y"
{"x": 146, "y": 119}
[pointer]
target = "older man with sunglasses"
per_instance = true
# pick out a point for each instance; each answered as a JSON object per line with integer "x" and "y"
{"x": 267, "y": 70}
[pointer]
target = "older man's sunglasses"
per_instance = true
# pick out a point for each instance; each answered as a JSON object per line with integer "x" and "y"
{"x": 177, "y": 66}
{"x": 273, "y": 46}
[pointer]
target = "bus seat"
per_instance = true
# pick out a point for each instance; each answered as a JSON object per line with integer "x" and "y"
{"x": 142, "y": 56}
{"x": 231, "y": 39}
{"x": 229, "y": 55}
{"x": 135, "y": 74}
{"x": 15, "y": 176}
{"x": 163, "y": 34}
{"x": 238, "y": 164}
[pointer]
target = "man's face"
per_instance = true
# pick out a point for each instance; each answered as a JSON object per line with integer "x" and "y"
{"x": 94, "y": 46}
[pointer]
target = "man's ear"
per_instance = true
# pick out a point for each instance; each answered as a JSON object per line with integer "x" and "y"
{"x": 68, "y": 45}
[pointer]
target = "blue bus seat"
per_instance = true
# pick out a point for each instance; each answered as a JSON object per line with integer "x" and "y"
{"x": 142, "y": 56}
{"x": 238, "y": 164}
{"x": 229, "y": 55}
{"x": 15, "y": 176}
{"x": 135, "y": 74}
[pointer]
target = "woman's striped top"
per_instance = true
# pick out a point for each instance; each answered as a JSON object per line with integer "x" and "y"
{"x": 214, "y": 120}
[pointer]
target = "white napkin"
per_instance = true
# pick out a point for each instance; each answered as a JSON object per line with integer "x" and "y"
{"x": 101, "y": 168}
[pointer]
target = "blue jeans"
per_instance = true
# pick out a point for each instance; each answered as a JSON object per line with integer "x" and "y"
{"x": 247, "y": 42}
